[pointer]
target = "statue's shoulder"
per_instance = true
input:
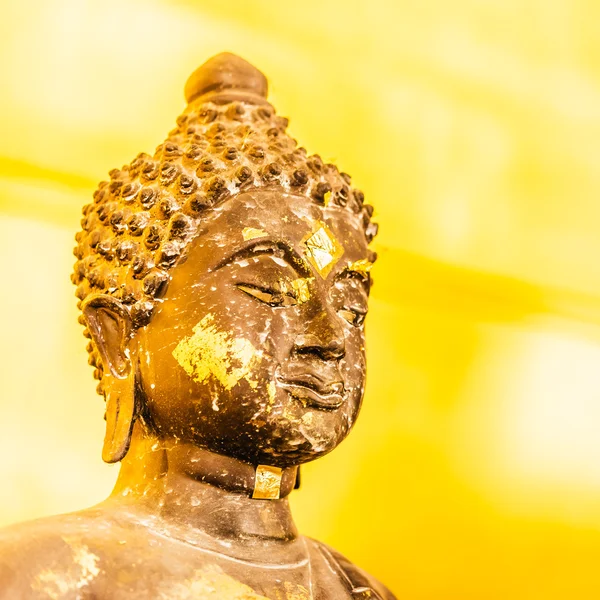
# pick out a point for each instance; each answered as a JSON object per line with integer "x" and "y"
{"x": 51, "y": 557}
{"x": 359, "y": 582}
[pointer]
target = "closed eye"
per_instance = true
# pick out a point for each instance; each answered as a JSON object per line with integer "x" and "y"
{"x": 350, "y": 296}
{"x": 353, "y": 316}
{"x": 268, "y": 296}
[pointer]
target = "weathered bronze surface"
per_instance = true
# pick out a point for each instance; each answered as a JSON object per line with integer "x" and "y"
{"x": 223, "y": 285}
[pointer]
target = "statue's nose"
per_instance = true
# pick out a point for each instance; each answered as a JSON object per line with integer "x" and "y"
{"x": 323, "y": 336}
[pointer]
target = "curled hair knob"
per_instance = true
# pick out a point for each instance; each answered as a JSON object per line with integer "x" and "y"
{"x": 225, "y": 78}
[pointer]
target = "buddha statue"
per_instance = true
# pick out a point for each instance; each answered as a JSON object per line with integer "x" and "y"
{"x": 223, "y": 286}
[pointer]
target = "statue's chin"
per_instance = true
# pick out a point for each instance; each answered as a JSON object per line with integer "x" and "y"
{"x": 293, "y": 451}
{"x": 287, "y": 435}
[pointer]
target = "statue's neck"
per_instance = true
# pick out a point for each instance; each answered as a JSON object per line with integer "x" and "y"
{"x": 201, "y": 495}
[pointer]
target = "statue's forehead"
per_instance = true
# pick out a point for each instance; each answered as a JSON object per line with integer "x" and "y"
{"x": 314, "y": 231}
{"x": 272, "y": 208}
{"x": 277, "y": 212}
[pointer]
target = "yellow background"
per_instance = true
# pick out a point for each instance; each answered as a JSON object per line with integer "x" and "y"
{"x": 474, "y": 128}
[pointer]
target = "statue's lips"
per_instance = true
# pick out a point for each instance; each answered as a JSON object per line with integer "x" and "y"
{"x": 314, "y": 391}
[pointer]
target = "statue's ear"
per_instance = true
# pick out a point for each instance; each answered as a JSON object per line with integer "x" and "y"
{"x": 109, "y": 324}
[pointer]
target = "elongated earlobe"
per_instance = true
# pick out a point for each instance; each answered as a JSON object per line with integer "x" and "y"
{"x": 109, "y": 324}
{"x": 120, "y": 417}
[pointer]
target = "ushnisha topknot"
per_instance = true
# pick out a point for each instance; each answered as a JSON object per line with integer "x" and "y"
{"x": 228, "y": 140}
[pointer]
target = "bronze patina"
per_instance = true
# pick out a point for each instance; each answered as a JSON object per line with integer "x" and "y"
{"x": 223, "y": 284}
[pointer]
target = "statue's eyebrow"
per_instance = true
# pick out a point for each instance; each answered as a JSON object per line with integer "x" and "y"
{"x": 256, "y": 247}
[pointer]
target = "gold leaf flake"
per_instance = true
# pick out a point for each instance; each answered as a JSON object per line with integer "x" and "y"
{"x": 267, "y": 482}
{"x": 322, "y": 249}
{"x": 211, "y": 352}
{"x": 56, "y": 584}
{"x": 250, "y": 233}
{"x": 297, "y": 288}
{"x": 362, "y": 266}
{"x": 271, "y": 391}
{"x": 301, "y": 289}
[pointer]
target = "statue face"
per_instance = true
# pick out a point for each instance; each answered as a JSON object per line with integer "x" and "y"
{"x": 257, "y": 348}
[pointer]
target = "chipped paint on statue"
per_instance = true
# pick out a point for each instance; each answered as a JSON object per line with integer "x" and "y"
{"x": 61, "y": 583}
{"x": 212, "y": 582}
{"x": 208, "y": 583}
{"x": 294, "y": 592}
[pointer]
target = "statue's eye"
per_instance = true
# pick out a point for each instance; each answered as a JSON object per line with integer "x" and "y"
{"x": 350, "y": 298}
{"x": 269, "y": 296}
{"x": 354, "y": 317}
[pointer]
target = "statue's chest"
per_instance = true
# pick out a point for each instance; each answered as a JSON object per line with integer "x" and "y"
{"x": 225, "y": 579}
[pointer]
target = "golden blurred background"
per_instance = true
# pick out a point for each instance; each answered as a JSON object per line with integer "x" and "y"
{"x": 474, "y": 128}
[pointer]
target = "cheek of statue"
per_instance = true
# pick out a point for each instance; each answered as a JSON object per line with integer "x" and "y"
{"x": 213, "y": 353}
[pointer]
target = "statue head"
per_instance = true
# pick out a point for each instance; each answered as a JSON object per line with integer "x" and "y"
{"x": 224, "y": 281}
